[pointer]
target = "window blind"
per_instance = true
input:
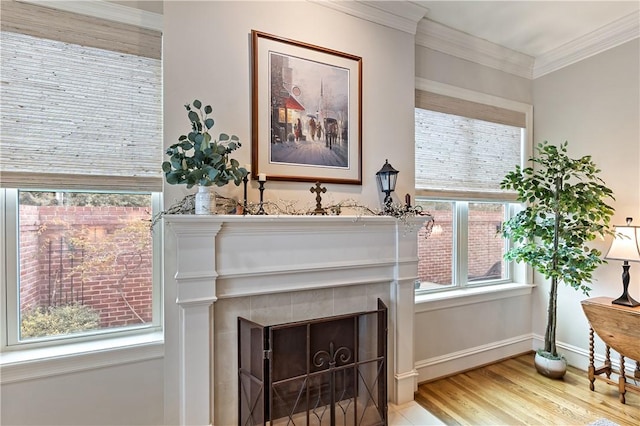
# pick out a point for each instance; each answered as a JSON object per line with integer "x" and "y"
{"x": 55, "y": 24}
{"x": 81, "y": 104}
{"x": 459, "y": 155}
{"x": 450, "y": 105}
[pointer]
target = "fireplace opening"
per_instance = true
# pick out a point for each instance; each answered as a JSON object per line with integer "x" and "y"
{"x": 324, "y": 371}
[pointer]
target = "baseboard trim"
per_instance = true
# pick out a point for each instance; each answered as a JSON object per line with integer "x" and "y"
{"x": 431, "y": 369}
{"x": 456, "y": 362}
{"x": 404, "y": 387}
{"x": 446, "y": 365}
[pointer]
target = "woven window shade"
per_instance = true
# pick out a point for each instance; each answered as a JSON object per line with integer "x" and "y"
{"x": 464, "y": 108}
{"x": 458, "y": 156}
{"x": 77, "y": 116}
{"x": 54, "y": 24}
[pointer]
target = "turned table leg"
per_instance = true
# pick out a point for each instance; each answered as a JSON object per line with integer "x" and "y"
{"x": 592, "y": 368}
{"x": 622, "y": 381}
{"x": 607, "y": 360}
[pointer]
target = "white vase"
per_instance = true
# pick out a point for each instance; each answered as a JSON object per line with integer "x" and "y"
{"x": 552, "y": 368}
{"x": 205, "y": 200}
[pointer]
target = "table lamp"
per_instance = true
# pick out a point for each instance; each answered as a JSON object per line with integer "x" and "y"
{"x": 625, "y": 247}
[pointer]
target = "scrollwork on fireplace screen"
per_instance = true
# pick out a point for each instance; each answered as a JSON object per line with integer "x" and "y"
{"x": 322, "y": 358}
{"x": 327, "y": 371}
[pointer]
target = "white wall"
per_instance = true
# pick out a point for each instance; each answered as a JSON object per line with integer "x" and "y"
{"x": 130, "y": 394}
{"x": 595, "y": 106}
{"x": 461, "y": 335}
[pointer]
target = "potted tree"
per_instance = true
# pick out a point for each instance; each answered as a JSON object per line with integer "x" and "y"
{"x": 198, "y": 159}
{"x": 566, "y": 207}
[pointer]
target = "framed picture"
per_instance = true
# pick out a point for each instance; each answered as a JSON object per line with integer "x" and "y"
{"x": 307, "y": 112}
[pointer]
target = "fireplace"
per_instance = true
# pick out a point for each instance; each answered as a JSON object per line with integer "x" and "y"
{"x": 275, "y": 271}
{"x": 325, "y": 371}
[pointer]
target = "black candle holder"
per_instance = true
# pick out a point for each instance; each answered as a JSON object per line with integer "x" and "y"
{"x": 245, "y": 181}
{"x": 261, "y": 189}
{"x": 407, "y": 202}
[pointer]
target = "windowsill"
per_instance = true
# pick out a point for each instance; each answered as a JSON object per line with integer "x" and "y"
{"x": 49, "y": 361}
{"x": 469, "y": 295}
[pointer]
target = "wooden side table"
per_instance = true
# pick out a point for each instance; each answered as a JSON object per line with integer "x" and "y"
{"x": 619, "y": 328}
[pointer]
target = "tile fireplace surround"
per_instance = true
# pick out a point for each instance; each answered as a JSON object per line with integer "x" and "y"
{"x": 275, "y": 269}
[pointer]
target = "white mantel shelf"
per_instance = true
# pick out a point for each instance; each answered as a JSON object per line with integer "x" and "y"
{"x": 219, "y": 267}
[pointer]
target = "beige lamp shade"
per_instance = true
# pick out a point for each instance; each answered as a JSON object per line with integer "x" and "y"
{"x": 625, "y": 244}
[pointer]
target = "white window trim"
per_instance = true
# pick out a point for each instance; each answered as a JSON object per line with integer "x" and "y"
{"x": 516, "y": 274}
{"x": 521, "y": 274}
{"x": 20, "y": 365}
{"x": 458, "y": 296}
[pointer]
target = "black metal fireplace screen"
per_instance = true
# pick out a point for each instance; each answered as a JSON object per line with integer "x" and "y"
{"x": 326, "y": 371}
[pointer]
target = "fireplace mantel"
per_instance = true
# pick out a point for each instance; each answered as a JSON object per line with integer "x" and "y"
{"x": 219, "y": 266}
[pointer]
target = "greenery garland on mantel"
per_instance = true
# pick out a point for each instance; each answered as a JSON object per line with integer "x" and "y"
{"x": 198, "y": 159}
{"x": 290, "y": 208}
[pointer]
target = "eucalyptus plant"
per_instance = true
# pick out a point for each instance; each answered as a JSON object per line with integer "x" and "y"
{"x": 198, "y": 159}
{"x": 566, "y": 208}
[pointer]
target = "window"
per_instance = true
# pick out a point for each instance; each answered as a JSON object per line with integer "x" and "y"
{"x": 81, "y": 145}
{"x": 463, "y": 150}
{"x": 464, "y": 247}
{"x": 85, "y": 264}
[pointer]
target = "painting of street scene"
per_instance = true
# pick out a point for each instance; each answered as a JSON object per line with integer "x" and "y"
{"x": 309, "y": 112}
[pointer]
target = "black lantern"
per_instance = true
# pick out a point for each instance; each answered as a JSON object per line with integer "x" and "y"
{"x": 387, "y": 177}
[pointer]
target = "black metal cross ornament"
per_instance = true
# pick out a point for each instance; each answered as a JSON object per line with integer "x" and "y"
{"x": 318, "y": 190}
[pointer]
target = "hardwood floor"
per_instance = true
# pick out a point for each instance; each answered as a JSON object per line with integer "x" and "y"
{"x": 511, "y": 392}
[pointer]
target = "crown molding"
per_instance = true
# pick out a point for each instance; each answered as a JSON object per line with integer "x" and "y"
{"x": 614, "y": 34}
{"x": 452, "y": 42}
{"x": 403, "y": 16}
{"x": 441, "y": 38}
{"x": 106, "y": 10}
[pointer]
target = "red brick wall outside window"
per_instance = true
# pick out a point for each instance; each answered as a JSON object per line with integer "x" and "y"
{"x": 95, "y": 256}
{"x": 485, "y": 247}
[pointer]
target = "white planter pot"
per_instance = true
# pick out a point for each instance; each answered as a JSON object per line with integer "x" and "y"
{"x": 552, "y": 368}
{"x": 205, "y": 200}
